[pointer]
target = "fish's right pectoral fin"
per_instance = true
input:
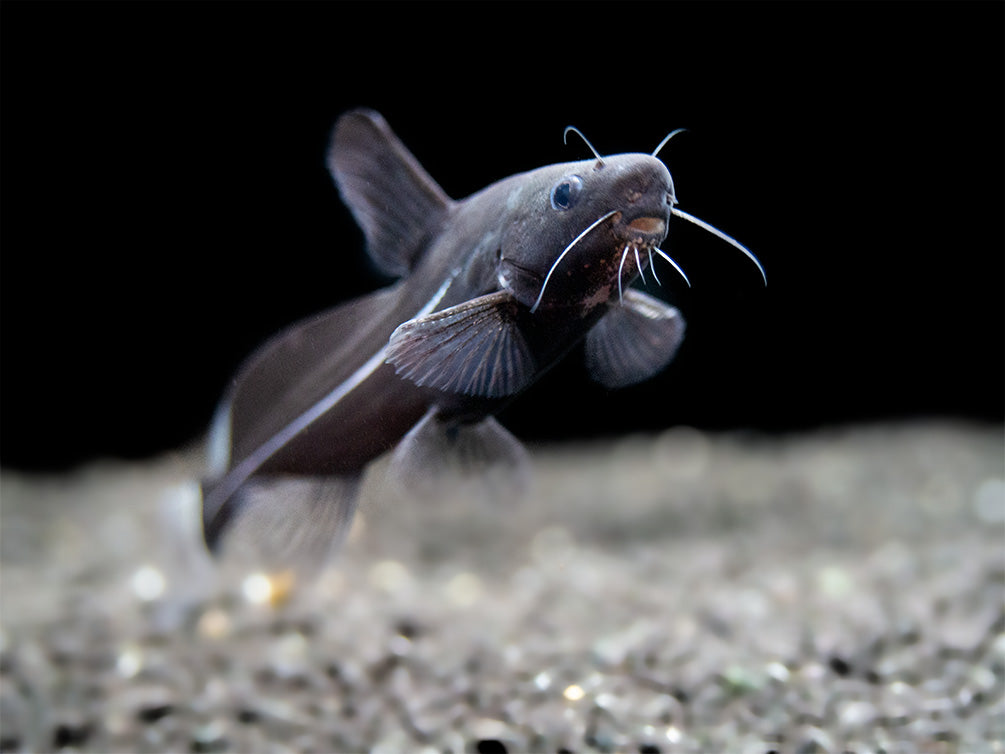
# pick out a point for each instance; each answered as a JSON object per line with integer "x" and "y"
{"x": 475, "y": 348}
{"x": 634, "y": 340}
{"x": 283, "y": 523}
{"x": 437, "y": 459}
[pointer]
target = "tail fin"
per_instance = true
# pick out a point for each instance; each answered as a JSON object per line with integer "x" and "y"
{"x": 280, "y": 523}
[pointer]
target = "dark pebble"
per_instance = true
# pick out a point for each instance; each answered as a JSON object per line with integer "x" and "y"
{"x": 70, "y": 734}
{"x": 840, "y": 666}
{"x": 154, "y": 712}
{"x": 490, "y": 746}
{"x": 208, "y": 747}
{"x": 248, "y": 716}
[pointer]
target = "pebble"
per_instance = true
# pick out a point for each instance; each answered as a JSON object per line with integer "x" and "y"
{"x": 824, "y": 608}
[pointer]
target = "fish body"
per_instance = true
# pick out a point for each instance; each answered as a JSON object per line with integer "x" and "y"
{"x": 493, "y": 290}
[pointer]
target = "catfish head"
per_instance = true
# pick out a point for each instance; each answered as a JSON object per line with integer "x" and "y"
{"x": 600, "y": 222}
{"x": 580, "y": 231}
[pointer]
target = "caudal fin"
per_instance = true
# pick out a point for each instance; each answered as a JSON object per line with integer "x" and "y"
{"x": 280, "y": 523}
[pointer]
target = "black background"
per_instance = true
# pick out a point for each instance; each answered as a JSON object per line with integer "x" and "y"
{"x": 165, "y": 204}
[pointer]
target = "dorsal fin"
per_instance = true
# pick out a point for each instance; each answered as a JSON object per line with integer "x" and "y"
{"x": 394, "y": 200}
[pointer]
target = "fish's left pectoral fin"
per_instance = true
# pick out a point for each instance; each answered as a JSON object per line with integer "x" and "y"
{"x": 475, "y": 348}
{"x": 279, "y": 523}
{"x": 634, "y": 340}
{"x": 482, "y": 460}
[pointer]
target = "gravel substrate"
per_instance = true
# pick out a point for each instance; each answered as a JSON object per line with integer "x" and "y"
{"x": 830, "y": 592}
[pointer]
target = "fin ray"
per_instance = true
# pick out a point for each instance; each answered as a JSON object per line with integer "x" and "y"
{"x": 281, "y": 523}
{"x": 481, "y": 460}
{"x": 633, "y": 341}
{"x": 474, "y": 348}
{"x": 394, "y": 200}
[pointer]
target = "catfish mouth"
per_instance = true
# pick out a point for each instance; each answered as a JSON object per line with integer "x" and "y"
{"x": 643, "y": 231}
{"x": 649, "y": 225}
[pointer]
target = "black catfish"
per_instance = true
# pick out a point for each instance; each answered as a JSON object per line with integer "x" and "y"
{"x": 494, "y": 289}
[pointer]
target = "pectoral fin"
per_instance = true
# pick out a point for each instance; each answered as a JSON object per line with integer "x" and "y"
{"x": 633, "y": 341}
{"x": 475, "y": 348}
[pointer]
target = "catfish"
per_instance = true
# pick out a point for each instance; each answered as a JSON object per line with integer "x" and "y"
{"x": 492, "y": 290}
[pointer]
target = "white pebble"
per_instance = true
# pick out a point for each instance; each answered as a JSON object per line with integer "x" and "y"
{"x": 148, "y": 583}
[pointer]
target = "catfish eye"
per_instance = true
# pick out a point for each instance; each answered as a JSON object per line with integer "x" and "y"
{"x": 565, "y": 193}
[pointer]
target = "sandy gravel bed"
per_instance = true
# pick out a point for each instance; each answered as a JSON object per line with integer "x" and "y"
{"x": 826, "y": 592}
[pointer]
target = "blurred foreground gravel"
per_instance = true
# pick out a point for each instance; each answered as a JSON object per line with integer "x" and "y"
{"x": 829, "y": 592}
